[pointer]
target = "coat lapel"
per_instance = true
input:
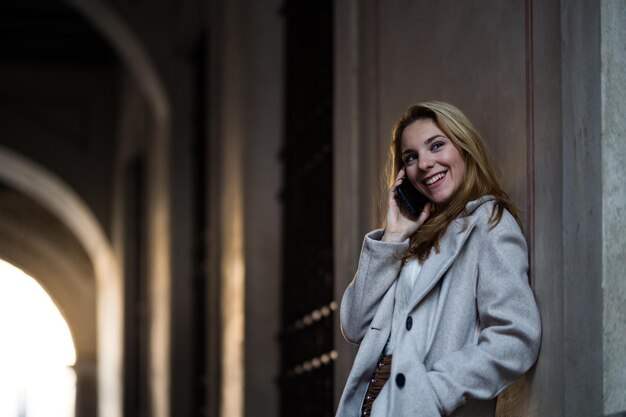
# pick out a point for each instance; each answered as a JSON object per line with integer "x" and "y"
{"x": 450, "y": 246}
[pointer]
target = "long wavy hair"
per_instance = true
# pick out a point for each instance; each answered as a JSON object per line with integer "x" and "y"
{"x": 480, "y": 174}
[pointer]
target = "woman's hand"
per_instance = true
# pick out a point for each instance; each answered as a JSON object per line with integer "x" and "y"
{"x": 400, "y": 224}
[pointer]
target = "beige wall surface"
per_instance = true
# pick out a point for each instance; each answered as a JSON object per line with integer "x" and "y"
{"x": 471, "y": 54}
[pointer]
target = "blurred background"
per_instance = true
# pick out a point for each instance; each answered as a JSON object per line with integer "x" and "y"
{"x": 184, "y": 188}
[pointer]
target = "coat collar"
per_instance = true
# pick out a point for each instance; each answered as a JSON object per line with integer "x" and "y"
{"x": 471, "y": 206}
{"x": 450, "y": 245}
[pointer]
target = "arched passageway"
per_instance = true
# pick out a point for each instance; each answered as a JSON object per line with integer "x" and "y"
{"x": 49, "y": 232}
{"x": 89, "y": 279}
{"x": 37, "y": 355}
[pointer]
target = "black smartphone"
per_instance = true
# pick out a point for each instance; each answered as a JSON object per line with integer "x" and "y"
{"x": 410, "y": 198}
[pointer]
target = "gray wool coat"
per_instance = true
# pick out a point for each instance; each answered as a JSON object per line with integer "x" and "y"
{"x": 474, "y": 326}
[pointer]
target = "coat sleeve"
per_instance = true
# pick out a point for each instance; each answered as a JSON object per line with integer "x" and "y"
{"x": 379, "y": 265}
{"x": 509, "y": 341}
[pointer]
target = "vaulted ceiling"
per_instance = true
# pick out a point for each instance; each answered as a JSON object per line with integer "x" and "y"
{"x": 35, "y": 31}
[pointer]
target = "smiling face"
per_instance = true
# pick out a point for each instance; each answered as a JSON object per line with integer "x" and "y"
{"x": 433, "y": 164}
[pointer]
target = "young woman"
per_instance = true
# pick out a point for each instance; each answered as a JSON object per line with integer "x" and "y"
{"x": 440, "y": 305}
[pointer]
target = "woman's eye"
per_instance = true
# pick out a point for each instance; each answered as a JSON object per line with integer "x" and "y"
{"x": 436, "y": 146}
{"x": 409, "y": 159}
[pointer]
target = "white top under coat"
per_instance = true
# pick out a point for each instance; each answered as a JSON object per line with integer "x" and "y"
{"x": 406, "y": 283}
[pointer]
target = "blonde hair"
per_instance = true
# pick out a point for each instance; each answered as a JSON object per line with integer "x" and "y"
{"x": 480, "y": 174}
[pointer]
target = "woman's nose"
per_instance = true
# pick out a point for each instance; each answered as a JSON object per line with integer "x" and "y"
{"x": 425, "y": 163}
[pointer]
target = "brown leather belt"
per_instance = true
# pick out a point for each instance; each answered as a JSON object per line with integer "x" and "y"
{"x": 380, "y": 376}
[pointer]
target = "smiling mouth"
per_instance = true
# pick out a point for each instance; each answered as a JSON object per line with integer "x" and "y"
{"x": 431, "y": 180}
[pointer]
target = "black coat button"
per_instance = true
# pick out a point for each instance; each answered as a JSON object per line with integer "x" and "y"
{"x": 400, "y": 380}
{"x": 409, "y": 323}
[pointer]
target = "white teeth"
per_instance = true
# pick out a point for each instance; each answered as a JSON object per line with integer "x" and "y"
{"x": 435, "y": 178}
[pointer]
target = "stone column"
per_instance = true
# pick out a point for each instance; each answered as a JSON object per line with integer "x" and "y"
{"x": 86, "y": 387}
{"x": 594, "y": 196}
{"x": 613, "y": 90}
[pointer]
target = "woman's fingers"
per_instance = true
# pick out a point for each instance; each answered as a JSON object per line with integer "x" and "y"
{"x": 396, "y": 183}
{"x": 392, "y": 189}
{"x": 398, "y": 180}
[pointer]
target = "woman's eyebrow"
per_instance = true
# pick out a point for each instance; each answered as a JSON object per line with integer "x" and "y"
{"x": 427, "y": 142}
{"x": 430, "y": 139}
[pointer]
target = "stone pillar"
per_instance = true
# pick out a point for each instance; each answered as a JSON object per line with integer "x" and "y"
{"x": 86, "y": 388}
{"x": 613, "y": 90}
{"x": 594, "y": 196}
{"x": 582, "y": 209}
